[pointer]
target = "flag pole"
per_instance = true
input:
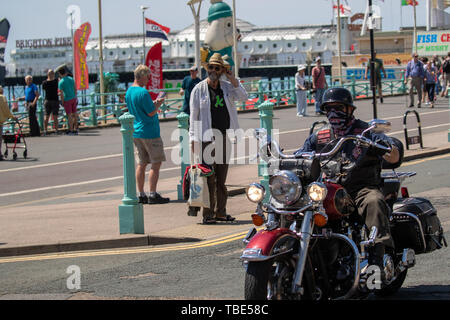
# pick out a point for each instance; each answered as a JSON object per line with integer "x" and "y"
{"x": 415, "y": 31}
{"x": 143, "y": 8}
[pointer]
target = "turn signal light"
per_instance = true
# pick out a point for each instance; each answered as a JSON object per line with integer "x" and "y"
{"x": 257, "y": 219}
{"x": 405, "y": 193}
{"x": 320, "y": 219}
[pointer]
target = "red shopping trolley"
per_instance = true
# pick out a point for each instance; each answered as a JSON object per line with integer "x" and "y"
{"x": 15, "y": 141}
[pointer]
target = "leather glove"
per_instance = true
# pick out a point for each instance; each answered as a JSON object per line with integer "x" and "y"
{"x": 382, "y": 142}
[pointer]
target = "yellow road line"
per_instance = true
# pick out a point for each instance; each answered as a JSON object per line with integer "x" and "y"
{"x": 203, "y": 244}
{"x": 410, "y": 163}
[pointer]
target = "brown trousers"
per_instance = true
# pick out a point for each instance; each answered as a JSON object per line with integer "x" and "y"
{"x": 374, "y": 210}
{"x": 218, "y": 194}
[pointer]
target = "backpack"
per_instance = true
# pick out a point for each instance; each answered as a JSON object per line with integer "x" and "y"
{"x": 446, "y": 66}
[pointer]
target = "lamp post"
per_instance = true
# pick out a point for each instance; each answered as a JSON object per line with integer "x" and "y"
{"x": 235, "y": 57}
{"x": 100, "y": 54}
{"x": 143, "y": 8}
{"x": 196, "y": 14}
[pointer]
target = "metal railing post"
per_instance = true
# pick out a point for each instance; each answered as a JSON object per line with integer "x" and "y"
{"x": 93, "y": 110}
{"x": 131, "y": 213}
{"x": 40, "y": 113}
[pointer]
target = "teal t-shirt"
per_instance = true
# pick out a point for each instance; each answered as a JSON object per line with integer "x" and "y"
{"x": 67, "y": 86}
{"x": 140, "y": 104}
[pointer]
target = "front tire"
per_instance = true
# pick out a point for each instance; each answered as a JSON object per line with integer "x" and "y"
{"x": 256, "y": 280}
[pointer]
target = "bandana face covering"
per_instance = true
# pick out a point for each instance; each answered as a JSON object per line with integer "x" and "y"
{"x": 340, "y": 122}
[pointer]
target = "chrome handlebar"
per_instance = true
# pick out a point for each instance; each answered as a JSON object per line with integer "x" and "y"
{"x": 311, "y": 155}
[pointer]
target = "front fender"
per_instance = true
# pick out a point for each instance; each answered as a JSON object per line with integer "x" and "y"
{"x": 268, "y": 244}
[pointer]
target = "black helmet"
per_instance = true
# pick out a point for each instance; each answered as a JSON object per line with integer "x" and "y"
{"x": 338, "y": 94}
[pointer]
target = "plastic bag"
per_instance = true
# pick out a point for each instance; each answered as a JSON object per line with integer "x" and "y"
{"x": 198, "y": 189}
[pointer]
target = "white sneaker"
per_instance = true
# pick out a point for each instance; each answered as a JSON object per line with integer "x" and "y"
{"x": 299, "y": 115}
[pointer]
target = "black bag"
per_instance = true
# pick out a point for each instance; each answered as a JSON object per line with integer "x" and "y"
{"x": 416, "y": 226}
{"x": 446, "y": 66}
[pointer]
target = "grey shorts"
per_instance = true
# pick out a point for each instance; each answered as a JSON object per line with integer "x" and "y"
{"x": 150, "y": 150}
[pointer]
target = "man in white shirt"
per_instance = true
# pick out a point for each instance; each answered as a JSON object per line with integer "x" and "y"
{"x": 212, "y": 113}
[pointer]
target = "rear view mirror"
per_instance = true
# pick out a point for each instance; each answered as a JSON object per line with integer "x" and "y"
{"x": 380, "y": 126}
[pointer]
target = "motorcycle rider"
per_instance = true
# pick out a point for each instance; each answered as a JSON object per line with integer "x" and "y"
{"x": 361, "y": 166}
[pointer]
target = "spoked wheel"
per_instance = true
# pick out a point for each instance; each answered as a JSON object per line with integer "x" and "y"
{"x": 394, "y": 286}
{"x": 272, "y": 280}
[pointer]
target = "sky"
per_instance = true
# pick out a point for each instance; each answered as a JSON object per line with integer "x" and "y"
{"x": 31, "y": 19}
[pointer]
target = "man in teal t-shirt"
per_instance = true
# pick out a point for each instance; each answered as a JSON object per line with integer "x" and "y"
{"x": 68, "y": 94}
{"x": 147, "y": 138}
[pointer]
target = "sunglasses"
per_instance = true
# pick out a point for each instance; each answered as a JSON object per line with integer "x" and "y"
{"x": 337, "y": 107}
{"x": 216, "y": 68}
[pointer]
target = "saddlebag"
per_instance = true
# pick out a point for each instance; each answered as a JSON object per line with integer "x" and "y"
{"x": 416, "y": 226}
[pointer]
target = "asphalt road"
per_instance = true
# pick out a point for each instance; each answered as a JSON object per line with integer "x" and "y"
{"x": 206, "y": 270}
{"x": 62, "y": 165}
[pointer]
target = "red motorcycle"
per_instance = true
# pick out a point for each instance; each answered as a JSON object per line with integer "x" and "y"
{"x": 314, "y": 245}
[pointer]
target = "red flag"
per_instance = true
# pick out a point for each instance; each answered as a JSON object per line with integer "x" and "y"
{"x": 154, "y": 62}
{"x": 81, "y": 72}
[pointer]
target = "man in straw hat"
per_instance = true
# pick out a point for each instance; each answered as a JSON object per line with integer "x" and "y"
{"x": 212, "y": 113}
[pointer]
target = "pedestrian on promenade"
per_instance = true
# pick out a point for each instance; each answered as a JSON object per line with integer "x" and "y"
{"x": 415, "y": 74}
{"x": 51, "y": 102}
{"x": 213, "y": 112}
{"x": 378, "y": 67}
{"x": 438, "y": 65}
{"x": 69, "y": 100}
{"x": 189, "y": 82}
{"x": 430, "y": 82}
{"x": 5, "y": 114}
{"x": 445, "y": 75}
{"x": 319, "y": 84}
{"x": 31, "y": 97}
{"x": 146, "y": 135}
{"x": 300, "y": 90}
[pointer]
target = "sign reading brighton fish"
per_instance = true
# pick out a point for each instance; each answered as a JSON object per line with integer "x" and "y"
{"x": 433, "y": 42}
{"x": 81, "y": 38}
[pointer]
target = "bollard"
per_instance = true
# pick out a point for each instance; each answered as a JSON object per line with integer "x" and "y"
{"x": 93, "y": 110}
{"x": 131, "y": 213}
{"x": 183, "y": 126}
{"x": 353, "y": 86}
{"x": 266, "y": 122}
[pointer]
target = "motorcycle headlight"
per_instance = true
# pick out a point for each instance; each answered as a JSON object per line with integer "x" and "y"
{"x": 285, "y": 187}
{"x": 317, "y": 191}
{"x": 256, "y": 193}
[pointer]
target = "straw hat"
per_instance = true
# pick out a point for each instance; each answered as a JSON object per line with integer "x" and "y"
{"x": 216, "y": 58}
{"x": 301, "y": 67}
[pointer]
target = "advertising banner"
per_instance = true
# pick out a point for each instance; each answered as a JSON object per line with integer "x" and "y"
{"x": 433, "y": 42}
{"x": 4, "y": 31}
{"x": 154, "y": 62}
{"x": 81, "y": 72}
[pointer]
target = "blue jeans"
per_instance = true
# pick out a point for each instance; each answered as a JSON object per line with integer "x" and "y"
{"x": 318, "y": 98}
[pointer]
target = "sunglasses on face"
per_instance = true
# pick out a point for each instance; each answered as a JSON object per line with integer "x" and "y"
{"x": 216, "y": 68}
{"x": 335, "y": 108}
